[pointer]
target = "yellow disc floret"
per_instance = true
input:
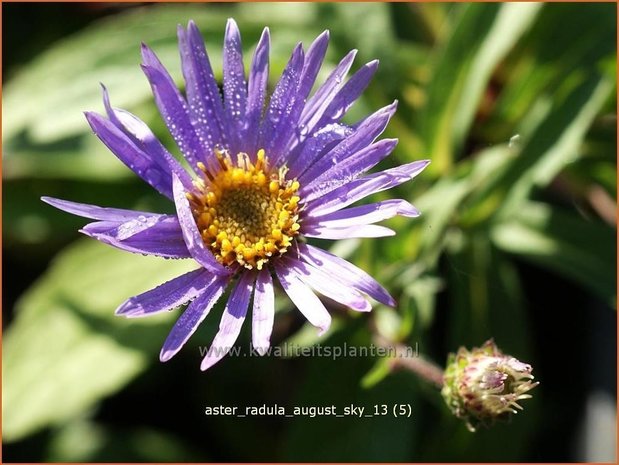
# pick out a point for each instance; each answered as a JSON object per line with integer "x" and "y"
{"x": 246, "y": 214}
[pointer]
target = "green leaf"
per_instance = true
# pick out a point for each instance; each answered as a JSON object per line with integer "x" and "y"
{"x": 565, "y": 243}
{"x": 82, "y": 440}
{"x": 83, "y": 157}
{"x": 381, "y": 369}
{"x": 48, "y": 97}
{"x": 555, "y": 142}
{"x": 479, "y": 40}
{"x": 510, "y": 24}
{"x": 374, "y": 39}
{"x": 539, "y": 67}
{"x": 66, "y": 350}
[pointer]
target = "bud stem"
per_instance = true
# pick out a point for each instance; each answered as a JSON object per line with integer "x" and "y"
{"x": 423, "y": 368}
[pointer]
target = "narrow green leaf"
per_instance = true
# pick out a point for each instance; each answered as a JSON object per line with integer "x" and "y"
{"x": 480, "y": 39}
{"x": 511, "y": 22}
{"x": 556, "y": 141}
{"x": 564, "y": 243}
{"x": 538, "y": 67}
{"x": 380, "y": 370}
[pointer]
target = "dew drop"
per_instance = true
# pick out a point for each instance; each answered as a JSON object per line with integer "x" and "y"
{"x": 338, "y": 113}
{"x": 302, "y": 130}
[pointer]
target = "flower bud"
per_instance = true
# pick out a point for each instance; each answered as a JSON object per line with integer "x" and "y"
{"x": 483, "y": 385}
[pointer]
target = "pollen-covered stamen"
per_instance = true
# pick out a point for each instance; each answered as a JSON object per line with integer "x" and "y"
{"x": 246, "y": 214}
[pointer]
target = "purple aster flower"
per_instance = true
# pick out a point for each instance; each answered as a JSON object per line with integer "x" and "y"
{"x": 263, "y": 177}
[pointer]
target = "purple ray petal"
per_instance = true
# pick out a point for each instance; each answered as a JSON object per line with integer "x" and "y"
{"x": 134, "y": 231}
{"x": 319, "y": 102}
{"x": 234, "y": 86}
{"x": 231, "y": 321}
{"x": 264, "y": 312}
{"x": 349, "y": 169}
{"x": 143, "y": 137}
{"x": 329, "y": 286}
{"x": 313, "y": 61}
{"x": 304, "y": 299}
{"x": 166, "y": 296}
{"x": 173, "y": 109}
{"x": 365, "y": 134}
{"x": 158, "y": 235}
{"x": 337, "y": 102}
{"x": 205, "y": 105}
{"x": 193, "y": 315}
{"x": 111, "y": 112}
{"x": 366, "y": 230}
{"x": 365, "y": 214}
{"x": 284, "y": 109}
{"x": 145, "y": 140}
{"x": 141, "y": 163}
{"x": 256, "y": 93}
{"x": 362, "y": 187}
{"x": 346, "y": 272}
{"x": 346, "y": 96}
{"x": 94, "y": 212}
{"x": 304, "y": 155}
{"x": 191, "y": 235}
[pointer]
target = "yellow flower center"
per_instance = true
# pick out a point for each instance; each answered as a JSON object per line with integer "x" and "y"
{"x": 244, "y": 213}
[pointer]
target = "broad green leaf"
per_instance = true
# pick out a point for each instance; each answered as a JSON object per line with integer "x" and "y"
{"x": 66, "y": 350}
{"x": 48, "y": 97}
{"x": 550, "y": 141}
{"x": 83, "y": 157}
{"x": 562, "y": 242}
{"x": 82, "y": 440}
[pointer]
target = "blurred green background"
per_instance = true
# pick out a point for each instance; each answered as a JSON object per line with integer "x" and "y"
{"x": 516, "y": 106}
